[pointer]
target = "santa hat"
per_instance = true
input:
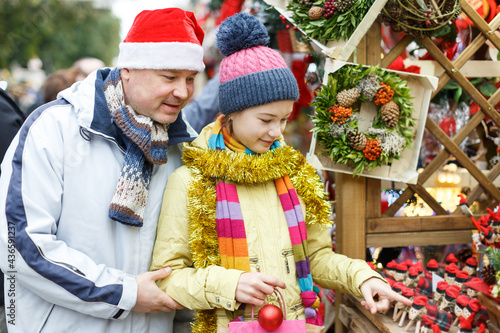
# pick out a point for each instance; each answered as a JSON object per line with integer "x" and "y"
{"x": 398, "y": 286}
{"x": 391, "y": 265}
{"x": 413, "y": 272}
{"x": 442, "y": 286}
{"x": 432, "y": 265}
{"x": 407, "y": 292}
{"x": 452, "y": 292}
{"x": 471, "y": 262}
{"x": 419, "y": 302}
{"x": 462, "y": 277}
{"x": 451, "y": 270}
{"x": 168, "y": 38}
{"x": 451, "y": 259}
{"x": 251, "y": 74}
{"x": 473, "y": 306}
{"x": 478, "y": 285}
{"x": 462, "y": 300}
{"x": 418, "y": 265}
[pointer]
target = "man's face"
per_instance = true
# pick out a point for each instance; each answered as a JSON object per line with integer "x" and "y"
{"x": 158, "y": 94}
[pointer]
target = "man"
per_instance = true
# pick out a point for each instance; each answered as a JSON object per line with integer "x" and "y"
{"x": 82, "y": 184}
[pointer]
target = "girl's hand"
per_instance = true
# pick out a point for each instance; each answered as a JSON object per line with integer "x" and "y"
{"x": 253, "y": 288}
{"x": 382, "y": 292}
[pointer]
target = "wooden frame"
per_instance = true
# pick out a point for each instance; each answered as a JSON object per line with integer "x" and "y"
{"x": 360, "y": 223}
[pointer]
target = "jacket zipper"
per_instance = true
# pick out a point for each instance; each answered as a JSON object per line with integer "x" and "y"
{"x": 295, "y": 308}
{"x": 255, "y": 261}
{"x": 285, "y": 254}
{"x": 62, "y": 264}
{"x": 106, "y": 137}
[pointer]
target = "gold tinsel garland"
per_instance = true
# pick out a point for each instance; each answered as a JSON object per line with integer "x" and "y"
{"x": 208, "y": 165}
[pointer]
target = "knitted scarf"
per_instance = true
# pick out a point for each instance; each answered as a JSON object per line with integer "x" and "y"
{"x": 231, "y": 229}
{"x": 146, "y": 145}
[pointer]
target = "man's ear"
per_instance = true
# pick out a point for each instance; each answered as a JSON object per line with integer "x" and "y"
{"x": 125, "y": 73}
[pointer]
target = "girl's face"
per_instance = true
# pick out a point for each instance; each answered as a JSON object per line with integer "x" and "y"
{"x": 258, "y": 127}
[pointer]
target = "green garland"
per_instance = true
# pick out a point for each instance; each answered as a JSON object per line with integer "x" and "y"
{"x": 338, "y": 149}
{"x": 338, "y": 27}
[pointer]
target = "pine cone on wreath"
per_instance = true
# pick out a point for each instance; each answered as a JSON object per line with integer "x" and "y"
{"x": 315, "y": 13}
{"x": 343, "y": 5}
{"x": 357, "y": 140}
{"x": 390, "y": 113}
{"x": 369, "y": 86}
{"x": 346, "y": 98}
{"x": 488, "y": 273}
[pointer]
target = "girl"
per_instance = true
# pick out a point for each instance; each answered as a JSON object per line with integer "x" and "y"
{"x": 232, "y": 225}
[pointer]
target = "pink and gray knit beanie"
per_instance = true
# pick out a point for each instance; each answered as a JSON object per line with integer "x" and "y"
{"x": 251, "y": 74}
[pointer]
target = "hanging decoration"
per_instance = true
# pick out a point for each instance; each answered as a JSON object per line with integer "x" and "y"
{"x": 337, "y": 112}
{"x": 420, "y": 18}
{"x": 330, "y": 20}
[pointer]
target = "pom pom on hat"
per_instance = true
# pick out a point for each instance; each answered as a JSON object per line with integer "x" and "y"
{"x": 251, "y": 74}
{"x": 241, "y": 32}
{"x": 168, "y": 38}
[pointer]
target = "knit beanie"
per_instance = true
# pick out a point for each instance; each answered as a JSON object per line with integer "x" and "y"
{"x": 168, "y": 38}
{"x": 251, "y": 73}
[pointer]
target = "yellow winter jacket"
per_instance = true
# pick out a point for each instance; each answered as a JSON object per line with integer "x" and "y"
{"x": 269, "y": 247}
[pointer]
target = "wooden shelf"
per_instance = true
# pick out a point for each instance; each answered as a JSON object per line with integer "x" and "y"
{"x": 357, "y": 319}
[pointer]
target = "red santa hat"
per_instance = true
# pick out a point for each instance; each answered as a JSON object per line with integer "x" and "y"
{"x": 413, "y": 272}
{"x": 471, "y": 262}
{"x": 462, "y": 301}
{"x": 168, "y": 38}
{"x": 419, "y": 302}
{"x": 432, "y": 265}
{"x": 418, "y": 265}
{"x": 451, "y": 259}
{"x": 441, "y": 286}
{"x": 407, "y": 292}
{"x": 452, "y": 292}
{"x": 462, "y": 276}
{"x": 473, "y": 306}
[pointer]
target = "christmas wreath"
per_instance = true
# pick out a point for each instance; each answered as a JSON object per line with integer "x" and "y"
{"x": 420, "y": 18}
{"x": 328, "y": 20}
{"x": 336, "y": 117}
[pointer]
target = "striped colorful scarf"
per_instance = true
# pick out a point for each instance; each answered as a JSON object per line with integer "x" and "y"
{"x": 231, "y": 234}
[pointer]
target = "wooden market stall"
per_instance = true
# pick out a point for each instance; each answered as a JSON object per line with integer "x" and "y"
{"x": 360, "y": 223}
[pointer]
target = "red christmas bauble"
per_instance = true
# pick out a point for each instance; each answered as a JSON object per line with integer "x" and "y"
{"x": 270, "y": 317}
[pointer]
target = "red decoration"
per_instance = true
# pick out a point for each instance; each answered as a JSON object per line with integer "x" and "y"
{"x": 270, "y": 317}
{"x": 448, "y": 125}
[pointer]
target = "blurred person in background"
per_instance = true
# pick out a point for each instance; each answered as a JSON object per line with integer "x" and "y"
{"x": 11, "y": 119}
{"x": 82, "y": 184}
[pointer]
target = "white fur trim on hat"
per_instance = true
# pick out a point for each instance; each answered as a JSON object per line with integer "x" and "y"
{"x": 170, "y": 55}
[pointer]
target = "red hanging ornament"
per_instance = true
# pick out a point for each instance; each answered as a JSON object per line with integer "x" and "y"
{"x": 270, "y": 317}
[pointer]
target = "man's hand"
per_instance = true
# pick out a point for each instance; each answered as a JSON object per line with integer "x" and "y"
{"x": 150, "y": 298}
{"x": 253, "y": 288}
{"x": 382, "y": 292}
